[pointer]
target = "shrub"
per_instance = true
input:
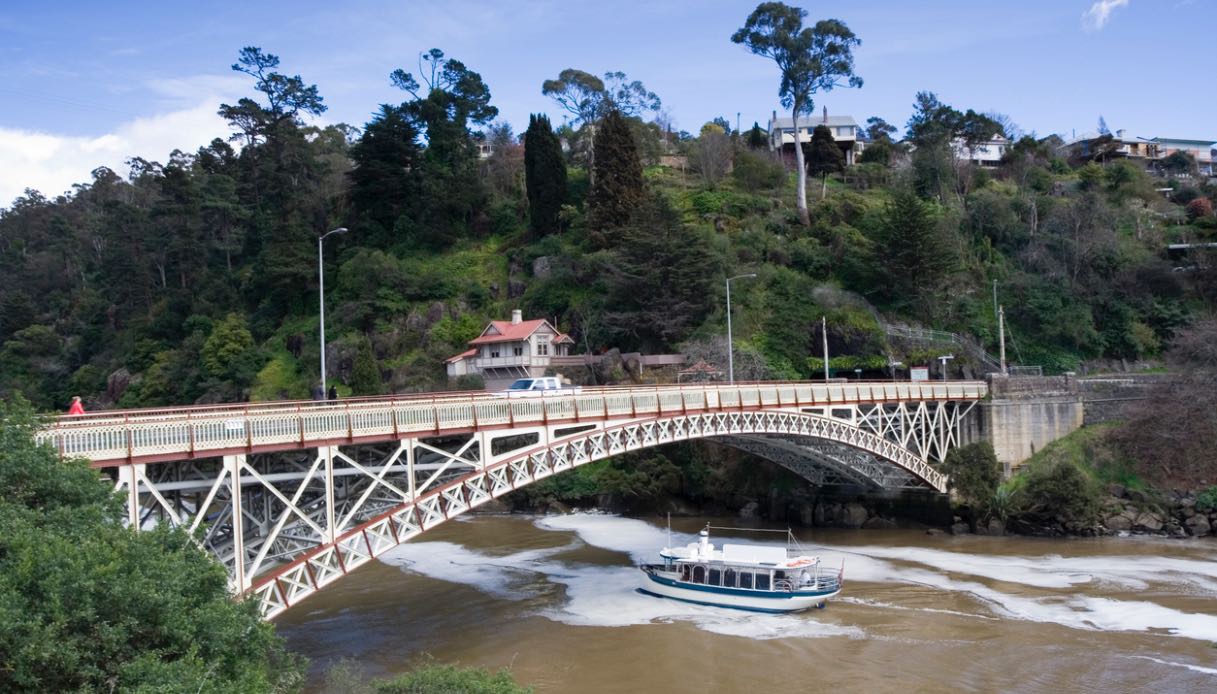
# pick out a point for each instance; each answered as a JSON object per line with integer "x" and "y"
{"x": 1207, "y": 500}
{"x": 1199, "y": 208}
{"x": 975, "y": 474}
{"x": 1061, "y": 488}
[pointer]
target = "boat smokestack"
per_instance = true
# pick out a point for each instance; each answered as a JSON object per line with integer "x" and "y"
{"x": 703, "y": 544}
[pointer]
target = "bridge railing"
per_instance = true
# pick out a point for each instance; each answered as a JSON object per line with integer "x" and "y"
{"x": 116, "y": 437}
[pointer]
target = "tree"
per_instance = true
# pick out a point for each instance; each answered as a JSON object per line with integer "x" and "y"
{"x": 810, "y": 60}
{"x": 757, "y": 137}
{"x": 879, "y": 130}
{"x": 88, "y": 604}
{"x": 661, "y": 278}
{"x": 384, "y": 183}
{"x": 974, "y": 473}
{"x": 825, "y": 157}
{"x": 589, "y": 98}
{"x": 912, "y": 253}
{"x": 544, "y": 176}
{"x": 618, "y": 185}
{"x": 449, "y": 100}
{"x": 712, "y": 154}
{"x": 1179, "y": 162}
{"x": 365, "y": 375}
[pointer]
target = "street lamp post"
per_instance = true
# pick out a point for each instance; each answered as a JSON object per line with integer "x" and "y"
{"x": 944, "y": 359}
{"x": 321, "y": 291}
{"x": 730, "y": 344}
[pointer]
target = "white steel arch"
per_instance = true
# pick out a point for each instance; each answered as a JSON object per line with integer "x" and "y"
{"x": 287, "y": 524}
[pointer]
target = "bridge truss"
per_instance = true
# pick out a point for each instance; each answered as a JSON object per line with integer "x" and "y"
{"x": 289, "y": 517}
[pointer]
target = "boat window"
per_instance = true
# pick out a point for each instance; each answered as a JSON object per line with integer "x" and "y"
{"x": 684, "y": 572}
{"x": 762, "y": 581}
{"x": 729, "y": 578}
{"x": 715, "y": 577}
{"x": 699, "y": 574}
{"x": 745, "y": 579}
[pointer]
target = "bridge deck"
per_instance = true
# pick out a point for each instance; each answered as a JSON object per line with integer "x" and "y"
{"x": 151, "y": 435}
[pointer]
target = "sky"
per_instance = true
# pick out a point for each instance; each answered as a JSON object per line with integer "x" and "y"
{"x": 85, "y": 84}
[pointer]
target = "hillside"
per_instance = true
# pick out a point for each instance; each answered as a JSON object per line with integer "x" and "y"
{"x": 195, "y": 280}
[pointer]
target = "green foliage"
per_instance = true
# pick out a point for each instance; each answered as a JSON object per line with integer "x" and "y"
{"x": 661, "y": 280}
{"x": 229, "y": 351}
{"x": 824, "y": 156}
{"x": 914, "y": 254}
{"x": 617, "y": 187}
{"x": 544, "y": 175}
{"x": 755, "y": 172}
{"x": 1060, "y": 479}
{"x": 87, "y": 604}
{"x": 365, "y": 375}
{"x": 974, "y": 474}
{"x": 1207, "y": 500}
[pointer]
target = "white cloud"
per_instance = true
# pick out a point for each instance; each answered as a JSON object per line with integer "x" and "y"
{"x": 51, "y": 163}
{"x": 1096, "y": 17}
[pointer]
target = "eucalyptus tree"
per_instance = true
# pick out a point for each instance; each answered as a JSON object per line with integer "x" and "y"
{"x": 589, "y": 98}
{"x": 449, "y": 100}
{"x": 810, "y": 59}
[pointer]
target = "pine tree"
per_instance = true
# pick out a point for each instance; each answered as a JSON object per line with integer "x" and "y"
{"x": 824, "y": 157}
{"x": 544, "y": 175}
{"x": 661, "y": 279}
{"x": 618, "y": 187}
{"x": 384, "y": 180}
{"x": 913, "y": 254}
{"x": 365, "y": 376}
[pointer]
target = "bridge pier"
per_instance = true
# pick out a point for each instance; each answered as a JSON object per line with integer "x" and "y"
{"x": 1025, "y": 414}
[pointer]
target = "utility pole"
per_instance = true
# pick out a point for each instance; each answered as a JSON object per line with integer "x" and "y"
{"x": 824, "y": 333}
{"x": 994, "y": 299}
{"x": 1001, "y": 334}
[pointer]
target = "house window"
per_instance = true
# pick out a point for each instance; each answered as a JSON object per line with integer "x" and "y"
{"x": 517, "y": 351}
{"x": 494, "y": 353}
{"x": 543, "y": 349}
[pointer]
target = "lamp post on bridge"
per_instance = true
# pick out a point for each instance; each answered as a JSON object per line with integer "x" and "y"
{"x": 321, "y": 291}
{"x": 730, "y": 344}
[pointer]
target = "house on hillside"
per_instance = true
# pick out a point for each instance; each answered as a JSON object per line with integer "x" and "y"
{"x": 1103, "y": 147}
{"x": 844, "y": 131}
{"x": 507, "y": 350}
{"x": 1201, "y": 151}
{"x": 988, "y": 153}
{"x": 1146, "y": 150}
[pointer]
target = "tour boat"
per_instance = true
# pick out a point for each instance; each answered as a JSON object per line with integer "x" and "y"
{"x": 762, "y": 578}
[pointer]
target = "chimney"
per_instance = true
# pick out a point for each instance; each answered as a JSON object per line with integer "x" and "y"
{"x": 826, "y": 115}
{"x": 516, "y": 317}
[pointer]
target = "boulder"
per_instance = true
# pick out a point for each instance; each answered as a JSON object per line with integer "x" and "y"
{"x": 542, "y": 267}
{"x": 515, "y": 289}
{"x": 750, "y": 511}
{"x": 1148, "y": 522}
{"x": 1118, "y": 523}
{"x": 960, "y": 529}
{"x": 853, "y": 515}
{"x": 996, "y": 527}
{"x": 933, "y": 531}
{"x": 1117, "y": 490}
{"x": 879, "y": 523}
{"x": 117, "y": 383}
{"x": 1198, "y": 526}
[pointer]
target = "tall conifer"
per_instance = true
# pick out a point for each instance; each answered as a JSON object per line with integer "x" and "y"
{"x": 544, "y": 175}
{"x": 618, "y": 187}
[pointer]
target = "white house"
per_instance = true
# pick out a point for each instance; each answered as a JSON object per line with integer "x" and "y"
{"x": 988, "y": 153}
{"x": 507, "y": 350}
{"x": 844, "y": 131}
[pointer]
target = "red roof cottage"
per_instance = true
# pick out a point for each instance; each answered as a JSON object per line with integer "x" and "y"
{"x": 507, "y": 350}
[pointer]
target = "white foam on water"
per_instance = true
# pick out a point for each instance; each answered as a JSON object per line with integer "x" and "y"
{"x": 1194, "y": 668}
{"x": 865, "y": 602}
{"x": 606, "y": 595}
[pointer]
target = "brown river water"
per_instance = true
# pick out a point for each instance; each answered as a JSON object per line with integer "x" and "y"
{"x": 553, "y": 598}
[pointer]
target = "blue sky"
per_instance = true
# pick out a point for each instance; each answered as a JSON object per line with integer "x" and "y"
{"x": 84, "y": 83}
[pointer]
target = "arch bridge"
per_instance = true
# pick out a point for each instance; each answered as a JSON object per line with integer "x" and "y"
{"x": 291, "y": 496}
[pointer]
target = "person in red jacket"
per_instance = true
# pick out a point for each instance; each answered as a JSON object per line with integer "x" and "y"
{"x": 77, "y": 407}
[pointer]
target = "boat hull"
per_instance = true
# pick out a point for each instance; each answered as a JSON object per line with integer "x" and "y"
{"x": 741, "y": 599}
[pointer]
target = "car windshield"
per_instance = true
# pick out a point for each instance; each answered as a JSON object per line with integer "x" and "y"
{"x": 521, "y": 384}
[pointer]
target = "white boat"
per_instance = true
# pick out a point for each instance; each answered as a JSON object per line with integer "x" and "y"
{"x": 762, "y": 578}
